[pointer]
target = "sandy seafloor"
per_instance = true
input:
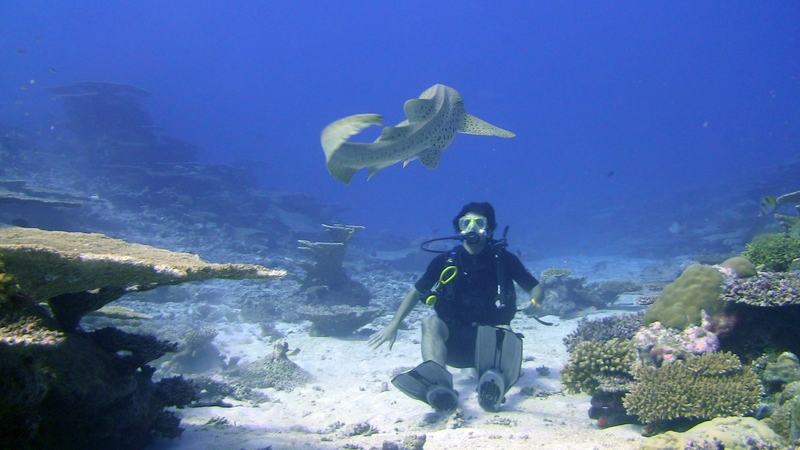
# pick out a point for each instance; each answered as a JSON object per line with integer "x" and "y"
{"x": 352, "y": 389}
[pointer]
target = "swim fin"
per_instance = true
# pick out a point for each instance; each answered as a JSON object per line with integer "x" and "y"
{"x": 498, "y": 358}
{"x": 430, "y": 383}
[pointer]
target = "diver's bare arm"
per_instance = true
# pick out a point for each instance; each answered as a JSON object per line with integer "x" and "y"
{"x": 389, "y": 333}
{"x": 408, "y": 305}
{"x": 537, "y": 295}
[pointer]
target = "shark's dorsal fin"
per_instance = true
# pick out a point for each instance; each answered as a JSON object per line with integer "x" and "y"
{"x": 430, "y": 158}
{"x": 473, "y": 125}
{"x": 398, "y": 132}
{"x": 419, "y": 108}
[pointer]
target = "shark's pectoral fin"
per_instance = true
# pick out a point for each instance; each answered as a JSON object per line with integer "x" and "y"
{"x": 430, "y": 157}
{"x": 337, "y": 133}
{"x": 473, "y": 125}
{"x": 342, "y": 173}
{"x": 375, "y": 168}
{"x": 419, "y": 108}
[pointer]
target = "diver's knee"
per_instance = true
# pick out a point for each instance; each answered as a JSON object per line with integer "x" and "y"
{"x": 434, "y": 325}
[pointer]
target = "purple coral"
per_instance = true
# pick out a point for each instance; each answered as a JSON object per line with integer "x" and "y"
{"x": 765, "y": 289}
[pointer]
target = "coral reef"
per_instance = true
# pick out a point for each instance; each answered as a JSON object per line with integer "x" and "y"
{"x": 700, "y": 387}
{"x": 647, "y": 299}
{"x": 774, "y": 251}
{"x": 565, "y": 296}
{"x": 786, "y": 416}
{"x": 729, "y": 433}
{"x": 783, "y": 371}
{"x": 608, "y": 291}
{"x": 61, "y": 387}
{"x": 197, "y": 354}
{"x": 274, "y": 371}
{"x": 80, "y": 272}
{"x": 326, "y": 280}
{"x": 622, "y": 326}
{"x": 697, "y": 289}
{"x": 76, "y": 390}
{"x": 596, "y": 367}
{"x": 656, "y": 344}
{"x": 337, "y": 320}
{"x": 741, "y": 267}
{"x": 556, "y": 272}
{"x": 768, "y": 289}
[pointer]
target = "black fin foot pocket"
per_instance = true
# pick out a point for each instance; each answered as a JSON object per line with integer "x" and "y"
{"x": 442, "y": 399}
{"x": 491, "y": 391}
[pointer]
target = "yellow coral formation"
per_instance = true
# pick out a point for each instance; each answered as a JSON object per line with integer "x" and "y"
{"x": 591, "y": 362}
{"x": 698, "y": 288}
{"x": 701, "y": 387}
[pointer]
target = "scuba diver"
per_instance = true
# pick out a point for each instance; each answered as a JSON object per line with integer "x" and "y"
{"x": 471, "y": 288}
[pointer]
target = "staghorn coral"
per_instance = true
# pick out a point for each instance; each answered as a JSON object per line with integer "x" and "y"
{"x": 592, "y": 363}
{"x": 619, "y": 326}
{"x": 680, "y": 304}
{"x": 698, "y": 388}
{"x": 774, "y": 251}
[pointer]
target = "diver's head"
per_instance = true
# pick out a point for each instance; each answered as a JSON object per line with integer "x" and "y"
{"x": 476, "y": 222}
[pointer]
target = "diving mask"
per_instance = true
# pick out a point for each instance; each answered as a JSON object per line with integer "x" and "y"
{"x": 474, "y": 223}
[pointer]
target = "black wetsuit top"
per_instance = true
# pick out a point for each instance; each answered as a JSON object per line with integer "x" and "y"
{"x": 474, "y": 299}
{"x": 475, "y": 287}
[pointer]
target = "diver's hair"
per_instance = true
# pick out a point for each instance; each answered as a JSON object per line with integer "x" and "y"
{"x": 484, "y": 209}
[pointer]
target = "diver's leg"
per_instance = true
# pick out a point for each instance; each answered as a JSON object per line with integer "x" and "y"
{"x": 434, "y": 336}
{"x": 498, "y": 358}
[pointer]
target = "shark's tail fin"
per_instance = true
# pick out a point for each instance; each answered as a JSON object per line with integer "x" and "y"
{"x": 337, "y": 133}
{"x": 473, "y": 125}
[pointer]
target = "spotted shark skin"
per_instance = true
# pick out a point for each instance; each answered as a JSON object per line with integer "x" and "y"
{"x": 431, "y": 124}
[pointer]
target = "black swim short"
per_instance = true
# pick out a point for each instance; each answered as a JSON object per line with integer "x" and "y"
{"x": 461, "y": 345}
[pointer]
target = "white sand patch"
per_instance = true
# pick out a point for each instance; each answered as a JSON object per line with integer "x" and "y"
{"x": 353, "y": 387}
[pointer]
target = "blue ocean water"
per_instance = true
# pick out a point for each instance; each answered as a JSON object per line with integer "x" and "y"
{"x": 642, "y": 127}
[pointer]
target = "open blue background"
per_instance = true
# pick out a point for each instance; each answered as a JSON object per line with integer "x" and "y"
{"x": 683, "y": 101}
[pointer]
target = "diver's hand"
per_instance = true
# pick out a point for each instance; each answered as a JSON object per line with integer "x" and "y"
{"x": 388, "y": 334}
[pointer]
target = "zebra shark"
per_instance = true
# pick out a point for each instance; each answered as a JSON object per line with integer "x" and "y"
{"x": 431, "y": 124}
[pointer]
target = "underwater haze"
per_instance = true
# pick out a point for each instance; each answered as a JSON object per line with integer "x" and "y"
{"x": 642, "y": 128}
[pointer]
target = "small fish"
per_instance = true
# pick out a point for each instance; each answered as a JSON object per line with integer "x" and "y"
{"x": 53, "y": 70}
{"x": 768, "y": 205}
{"x": 294, "y": 352}
{"x": 677, "y": 228}
{"x": 519, "y": 253}
{"x": 38, "y": 38}
{"x": 795, "y": 264}
{"x": 24, "y": 87}
{"x": 610, "y": 174}
{"x": 20, "y": 51}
